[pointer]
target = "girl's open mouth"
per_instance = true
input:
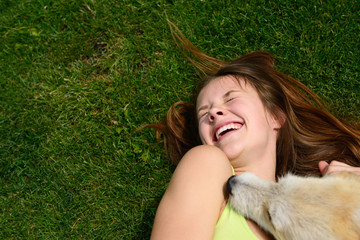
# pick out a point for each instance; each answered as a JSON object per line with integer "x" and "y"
{"x": 226, "y": 129}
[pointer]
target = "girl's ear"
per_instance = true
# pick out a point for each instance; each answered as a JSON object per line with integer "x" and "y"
{"x": 278, "y": 119}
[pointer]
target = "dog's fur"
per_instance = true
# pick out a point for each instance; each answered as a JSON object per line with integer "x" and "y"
{"x": 300, "y": 208}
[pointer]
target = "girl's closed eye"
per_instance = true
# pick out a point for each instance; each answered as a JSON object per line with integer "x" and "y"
{"x": 202, "y": 114}
{"x": 230, "y": 99}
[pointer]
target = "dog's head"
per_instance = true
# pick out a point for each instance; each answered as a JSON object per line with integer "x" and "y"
{"x": 250, "y": 195}
{"x": 249, "y": 191}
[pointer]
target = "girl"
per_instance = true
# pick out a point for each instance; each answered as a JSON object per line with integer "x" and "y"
{"x": 246, "y": 117}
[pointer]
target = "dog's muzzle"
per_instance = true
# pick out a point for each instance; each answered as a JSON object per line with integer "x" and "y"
{"x": 228, "y": 184}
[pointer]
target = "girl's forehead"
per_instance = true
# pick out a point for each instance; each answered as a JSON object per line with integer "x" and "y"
{"x": 220, "y": 85}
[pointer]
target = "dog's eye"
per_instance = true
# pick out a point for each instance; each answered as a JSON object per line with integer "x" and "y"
{"x": 268, "y": 214}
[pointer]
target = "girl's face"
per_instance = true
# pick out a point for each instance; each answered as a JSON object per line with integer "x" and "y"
{"x": 232, "y": 117}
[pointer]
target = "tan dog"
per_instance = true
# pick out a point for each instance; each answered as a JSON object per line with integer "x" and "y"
{"x": 300, "y": 208}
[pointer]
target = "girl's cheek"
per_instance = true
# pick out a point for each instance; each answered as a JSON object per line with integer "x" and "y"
{"x": 235, "y": 103}
{"x": 202, "y": 134}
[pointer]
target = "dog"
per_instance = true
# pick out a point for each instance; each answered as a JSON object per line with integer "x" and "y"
{"x": 300, "y": 208}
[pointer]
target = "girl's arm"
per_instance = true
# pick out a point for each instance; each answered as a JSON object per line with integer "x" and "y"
{"x": 192, "y": 202}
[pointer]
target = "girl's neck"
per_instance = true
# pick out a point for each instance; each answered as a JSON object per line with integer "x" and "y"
{"x": 264, "y": 169}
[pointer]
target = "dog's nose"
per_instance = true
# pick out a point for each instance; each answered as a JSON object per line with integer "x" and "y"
{"x": 228, "y": 184}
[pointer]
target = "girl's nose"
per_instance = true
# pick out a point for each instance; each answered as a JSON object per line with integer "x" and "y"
{"x": 215, "y": 113}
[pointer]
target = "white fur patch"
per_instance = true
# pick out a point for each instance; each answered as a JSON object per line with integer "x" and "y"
{"x": 299, "y": 207}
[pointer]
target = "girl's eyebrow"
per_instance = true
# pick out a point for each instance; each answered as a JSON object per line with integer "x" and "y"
{"x": 230, "y": 92}
{"x": 224, "y": 96}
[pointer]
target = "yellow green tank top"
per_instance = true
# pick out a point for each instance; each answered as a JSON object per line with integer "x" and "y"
{"x": 231, "y": 225}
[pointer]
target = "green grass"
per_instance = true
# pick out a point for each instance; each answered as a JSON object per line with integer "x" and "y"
{"x": 79, "y": 77}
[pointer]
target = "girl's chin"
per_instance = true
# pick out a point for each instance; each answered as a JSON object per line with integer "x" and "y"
{"x": 232, "y": 152}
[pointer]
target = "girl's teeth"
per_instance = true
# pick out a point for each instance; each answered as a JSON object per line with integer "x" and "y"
{"x": 224, "y": 128}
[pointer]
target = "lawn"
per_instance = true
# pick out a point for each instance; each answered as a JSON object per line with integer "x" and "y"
{"x": 78, "y": 77}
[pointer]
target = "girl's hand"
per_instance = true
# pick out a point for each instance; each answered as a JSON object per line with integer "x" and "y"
{"x": 336, "y": 166}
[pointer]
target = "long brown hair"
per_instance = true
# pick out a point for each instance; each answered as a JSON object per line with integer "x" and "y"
{"x": 309, "y": 134}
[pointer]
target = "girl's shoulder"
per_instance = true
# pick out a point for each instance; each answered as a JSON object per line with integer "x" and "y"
{"x": 206, "y": 156}
{"x": 195, "y": 195}
{"x": 204, "y": 169}
{"x": 205, "y": 163}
